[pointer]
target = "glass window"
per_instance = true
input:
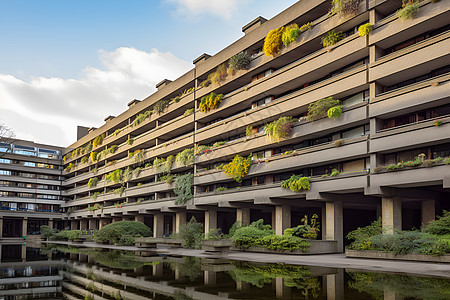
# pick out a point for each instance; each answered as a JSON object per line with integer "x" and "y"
{"x": 5, "y": 161}
{"x": 29, "y": 164}
{"x": 5, "y": 172}
{"x": 359, "y": 131}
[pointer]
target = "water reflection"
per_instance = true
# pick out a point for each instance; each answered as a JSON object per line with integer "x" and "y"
{"x": 80, "y": 273}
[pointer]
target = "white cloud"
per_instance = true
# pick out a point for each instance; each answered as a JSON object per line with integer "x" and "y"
{"x": 49, "y": 109}
{"x": 221, "y": 8}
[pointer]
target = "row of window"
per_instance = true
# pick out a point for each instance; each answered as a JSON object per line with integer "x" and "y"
{"x": 423, "y": 115}
{"x": 28, "y": 164}
{"x": 30, "y": 151}
{"x": 12, "y": 206}
{"x": 429, "y": 152}
{"x": 29, "y": 185}
{"x": 432, "y": 74}
{"x": 28, "y": 195}
{"x": 28, "y": 175}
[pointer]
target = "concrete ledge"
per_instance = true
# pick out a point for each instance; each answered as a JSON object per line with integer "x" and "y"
{"x": 388, "y": 255}
{"x": 217, "y": 245}
{"x": 317, "y": 247}
{"x": 153, "y": 242}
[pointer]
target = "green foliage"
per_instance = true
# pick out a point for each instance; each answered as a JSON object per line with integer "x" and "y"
{"x": 290, "y": 34}
{"x": 130, "y": 141}
{"x": 332, "y": 38}
{"x": 113, "y": 149}
{"x": 309, "y": 230}
{"x": 183, "y": 188}
{"x": 319, "y": 109}
{"x": 139, "y": 156}
{"x": 141, "y": 118}
{"x": 246, "y": 237}
{"x": 441, "y": 225}
{"x": 192, "y": 234}
{"x": 211, "y": 101}
{"x": 238, "y": 167}
{"x": 160, "y": 106}
{"x": 120, "y": 232}
{"x": 214, "y": 234}
{"x": 98, "y": 140}
{"x": 93, "y": 156}
{"x": 190, "y": 268}
{"x": 95, "y": 195}
{"x": 249, "y": 130}
{"x": 115, "y": 176}
{"x": 119, "y": 191}
{"x": 361, "y": 236}
{"x": 240, "y": 61}
{"x": 279, "y": 129}
{"x": 169, "y": 162}
{"x": 297, "y": 183}
{"x": 65, "y": 235}
{"x": 282, "y": 242}
{"x": 92, "y": 182}
{"x": 69, "y": 167}
{"x": 219, "y": 75}
{"x": 365, "y": 29}
{"x": 46, "y": 231}
{"x": 88, "y": 147}
{"x": 220, "y": 189}
{"x": 334, "y": 112}
{"x": 334, "y": 173}
{"x": 409, "y": 10}
{"x": 273, "y": 42}
{"x": 306, "y": 27}
{"x": 185, "y": 157}
{"x": 188, "y": 112}
{"x": 345, "y": 7}
{"x": 84, "y": 159}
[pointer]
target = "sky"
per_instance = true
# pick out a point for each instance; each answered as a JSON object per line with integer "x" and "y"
{"x": 74, "y": 62}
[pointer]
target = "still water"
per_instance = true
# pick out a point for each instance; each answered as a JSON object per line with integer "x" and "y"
{"x": 60, "y": 272}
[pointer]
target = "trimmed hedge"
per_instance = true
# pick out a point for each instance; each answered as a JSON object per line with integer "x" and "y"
{"x": 122, "y": 232}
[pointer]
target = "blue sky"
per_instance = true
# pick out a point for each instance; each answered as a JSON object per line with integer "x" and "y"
{"x": 57, "y": 57}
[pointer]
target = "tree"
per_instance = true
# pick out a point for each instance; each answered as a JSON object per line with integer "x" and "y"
{"x": 6, "y": 137}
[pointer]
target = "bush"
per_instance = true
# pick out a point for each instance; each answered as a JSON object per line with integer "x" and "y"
{"x": 240, "y": 61}
{"x": 238, "y": 167}
{"x": 441, "y": 225}
{"x": 93, "y": 156}
{"x": 290, "y": 34}
{"x": 362, "y": 235}
{"x": 282, "y": 242}
{"x": 69, "y": 167}
{"x": 334, "y": 112}
{"x": 246, "y": 237}
{"x": 273, "y": 42}
{"x": 306, "y": 27}
{"x": 98, "y": 140}
{"x": 249, "y": 130}
{"x": 185, "y": 157}
{"x": 92, "y": 182}
{"x": 345, "y": 7}
{"x": 319, "y": 109}
{"x": 211, "y": 101}
{"x": 297, "y": 183}
{"x": 309, "y": 230}
{"x": 332, "y": 38}
{"x": 279, "y": 129}
{"x": 188, "y": 112}
{"x": 214, "y": 234}
{"x": 192, "y": 234}
{"x": 65, "y": 235}
{"x": 115, "y": 232}
{"x": 46, "y": 231}
{"x": 183, "y": 188}
{"x": 365, "y": 29}
{"x": 408, "y": 11}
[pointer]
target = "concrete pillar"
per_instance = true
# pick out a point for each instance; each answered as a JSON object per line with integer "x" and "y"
{"x": 25, "y": 226}
{"x": 210, "y": 220}
{"x": 50, "y": 223}
{"x": 158, "y": 270}
{"x": 180, "y": 220}
{"x": 281, "y": 291}
{"x": 428, "y": 211}
{"x": 158, "y": 225}
{"x": 209, "y": 278}
{"x": 83, "y": 224}
{"x": 140, "y": 218}
{"x": 282, "y": 218}
{"x": 1, "y": 228}
{"x": 73, "y": 225}
{"x": 335, "y": 285}
{"x": 391, "y": 214}
{"x": 93, "y": 224}
{"x": 324, "y": 223}
{"x": 24, "y": 252}
{"x": 243, "y": 215}
{"x": 334, "y": 223}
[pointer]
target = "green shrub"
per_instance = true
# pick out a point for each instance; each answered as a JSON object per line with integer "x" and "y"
{"x": 246, "y": 237}
{"x": 408, "y": 11}
{"x": 98, "y": 140}
{"x": 335, "y": 172}
{"x": 319, "y": 109}
{"x": 334, "y": 112}
{"x": 160, "y": 106}
{"x": 238, "y": 167}
{"x": 279, "y": 129}
{"x": 290, "y": 34}
{"x": 69, "y": 167}
{"x": 192, "y": 234}
{"x": 46, "y": 231}
{"x": 273, "y": 42}
{"x": 130, "y": 141}
{"x": 92, "y": 182}
{"x": 220, "y": 189}
{"x": 188, "y": 112}
{"x": 362, "y": 235}
{"x": 309, "y": 230}
{"x": 306, "y": 27}
{"x": 84, "y": 159}
{"x": 332, "y": 38}
{"x": 211, "y": 101}
{"x": 240, "y": 61}
{"x": 441, "y": 225}
{"x": 65, "y": 235}
{"x": 345, "y": 7}
{"x": 121, "y": 232}
{"x": 93, "y": 156}
{"x": 183, "y": 188}
{"x": 297, "y": 183}
{"x": 365, "y": 29}
{"x": 214, "y": 234}
{"x": 185, "y": 157}
{"x": 282, "y": 242}
{"x": 249, "y": 130}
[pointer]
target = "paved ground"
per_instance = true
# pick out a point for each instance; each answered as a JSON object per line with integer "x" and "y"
{"x": 324, "y": 260}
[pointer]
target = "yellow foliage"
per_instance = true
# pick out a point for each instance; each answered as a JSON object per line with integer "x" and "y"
{"x": 273, "y": 42}
{"x": 238, "y": 167}
{"x": 210, "y": 101}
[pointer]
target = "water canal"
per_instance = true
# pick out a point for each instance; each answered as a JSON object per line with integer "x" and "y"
{"x": 61, "y": 272}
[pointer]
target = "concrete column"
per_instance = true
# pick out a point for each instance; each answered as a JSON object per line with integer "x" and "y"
{"x": 158, "y": 225}
{"x": 158, "y": 270}
{"x": 209, "y": 278}
{"x": 25, "y": 226}
{"x": 139, "y": 218}
{"x": 24, "y": 252}
{"x": 282, "y": 218}
{"x": 180, "y": 220}
{"x": 334, "y": 223}
{"x": 323, "y": 225}
{"x": 83, "y": 224}
{"x": 73, "y": 225}
{"x": 243, "y": 215}
{"x": 93, "y": 224}
{"x": 281, "y": 291}
{"x": 428, "y": 211}
{"x": 50, "y": 223}
{"x": 391, "y": 214}
{"x": 1, "y": 230}
{"x": 210, "y": 220}
{"x": 335, "y": 285}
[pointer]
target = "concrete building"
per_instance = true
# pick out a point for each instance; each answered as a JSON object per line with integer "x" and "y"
{"x": 30, "y": 188}
{"x": 394, "y": 88}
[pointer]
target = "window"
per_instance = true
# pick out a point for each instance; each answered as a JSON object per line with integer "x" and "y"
{"x": 5, "y": 161}
{"x": 360, "y": 97}
{"x": 29, "y": 164}
{"x": 5, "y": 172}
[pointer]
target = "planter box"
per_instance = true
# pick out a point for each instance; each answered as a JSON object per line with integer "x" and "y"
{"x": 388, "y": 255}
{"x": 148, "y": 242}
{"x": 317, "y": 247}
{"x": 217, "y": 245}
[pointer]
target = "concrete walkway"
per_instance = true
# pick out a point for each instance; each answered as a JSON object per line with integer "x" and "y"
{"x": 324, "y": 260}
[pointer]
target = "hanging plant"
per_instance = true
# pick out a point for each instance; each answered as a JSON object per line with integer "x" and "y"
{"x": 319, "y": 109}
{"x": 297, "y": 183}
{"x": 273, "y": 42}
{"x": 279, "y": 129}
{"x": 332, "y": 38}
{"x": 238, "y": 167}
{"x": 183, "y": 188}
{"x": 88, "y": 147}
{"x": 98, "y": 140}
{"x": 185, "y": 157}
{"x": 93, "y": 156}
{"x": 114, "y": 176}
{"x": 211, "y": 101}
{"x": 345, "y": 7}
{"x": 84, "y": 159}
{"x": 249, "y": 131}
{"x": 188, "y": 112}
{"x": 69, "y": 167}
{"x": 160, "y": 106}
{"x": 334, "y": 112}
{"x": 409, "y": 10}
{"x": 365, "y": 29}
{"x": 240, "y": 61}
{"x": 113, "y": 149}
{"x": 130, "y": 142}
{"x": 290, "y": 34}
{"x": 92, "y": 182}
{"x": 306, "y": 27}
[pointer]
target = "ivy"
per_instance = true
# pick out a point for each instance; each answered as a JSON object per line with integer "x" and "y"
{"x": 279, "y": 129}
{"x": 182, "y": 188}
{"x": 297, "y": 183}
{"x": 238, "y": 167}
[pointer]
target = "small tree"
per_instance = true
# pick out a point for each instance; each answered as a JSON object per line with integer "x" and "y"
{"x": 6, "y": 137}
